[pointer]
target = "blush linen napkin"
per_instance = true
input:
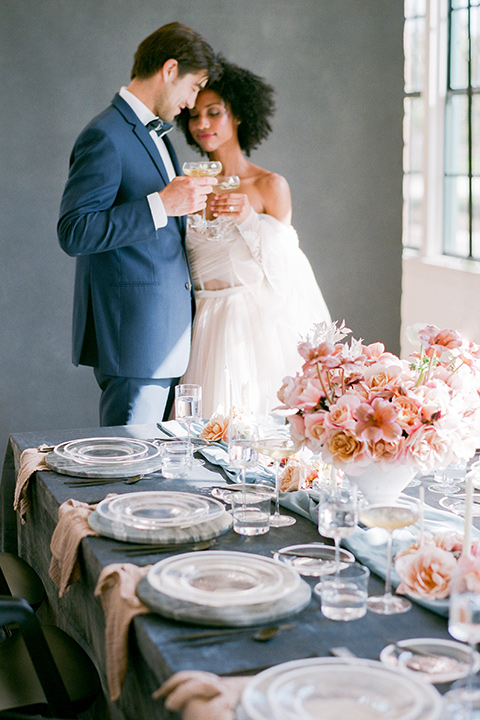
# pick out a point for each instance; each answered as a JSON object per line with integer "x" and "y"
{"x": 199, "y": 695}
{"x": 116, "y": 587}
{"x": 71, "y": 528}
{"x": 31, "y": 460}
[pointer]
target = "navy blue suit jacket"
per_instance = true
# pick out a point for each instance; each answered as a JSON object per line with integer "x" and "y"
{"x": 133, "y": 298}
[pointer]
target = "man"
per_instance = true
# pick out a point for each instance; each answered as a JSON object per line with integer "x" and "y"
{"x": 123, "y": 217}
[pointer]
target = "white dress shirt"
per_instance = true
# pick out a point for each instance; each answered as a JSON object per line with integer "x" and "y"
{"x": 143, "y": 113}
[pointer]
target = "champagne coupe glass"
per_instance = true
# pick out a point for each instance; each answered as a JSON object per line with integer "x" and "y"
{"x": 242, "y": 436}
{"x": 277, "y": 447}
{"x": 464, "y": 625}
{"x": 202, "y": 168}
{"x": 403, "y": 512}
{"x": 188, "y": 408}
{"x": 226, "y": 184}
{"x": 337, "y": 514}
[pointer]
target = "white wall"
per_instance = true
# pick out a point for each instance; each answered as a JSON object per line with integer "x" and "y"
{"x": 442, "y": 292}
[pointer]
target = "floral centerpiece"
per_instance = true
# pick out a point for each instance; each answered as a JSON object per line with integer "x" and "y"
{"x": 360, "y": 406}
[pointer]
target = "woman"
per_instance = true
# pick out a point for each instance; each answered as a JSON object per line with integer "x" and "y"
{"x": 256, "y": 292}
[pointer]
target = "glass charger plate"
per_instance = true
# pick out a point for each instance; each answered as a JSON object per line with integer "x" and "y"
{"x": 456, "y": 504}
{"x": 435, "y": 660}
{"x": 313, "y": 559}
{"x": 336, "y": 688}
{"x": 221, "y": 579}
{"x": 159, "y": 509}
{"x": 107, "y": 451}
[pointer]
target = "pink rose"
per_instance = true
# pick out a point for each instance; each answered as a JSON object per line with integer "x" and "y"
{"x": 426, "y": 573}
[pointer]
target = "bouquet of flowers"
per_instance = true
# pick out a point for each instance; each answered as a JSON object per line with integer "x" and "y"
{"x": 357, "y": 404}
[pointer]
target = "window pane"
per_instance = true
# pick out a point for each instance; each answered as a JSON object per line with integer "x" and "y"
{"x": 459, "y": 4}
{"x": 414, "y": 44}
{"x": 456, "y": 240}
{"x": 413, "y": 133}
{"x": 476, "y": 134}
{"x": 413, "y": 189}
{"x": 475, "y": 35}
{"x": 476, "y": 218}
{"x": 415, "y": 7}
{"x": 456, "y": 135}
{"x": 459, "y": 50}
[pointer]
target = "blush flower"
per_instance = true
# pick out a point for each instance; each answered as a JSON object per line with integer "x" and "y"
{"x": 377, "y": 421}
{"x": 426, "y": 573}
{"x": 216, "y": 428}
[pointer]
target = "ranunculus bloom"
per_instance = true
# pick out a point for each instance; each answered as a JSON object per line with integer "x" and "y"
{"x": 426, "y": 573}
{"x": 216, "y": 428}
{"x": 377, "y": 421}
{"x": 340, "y": 414}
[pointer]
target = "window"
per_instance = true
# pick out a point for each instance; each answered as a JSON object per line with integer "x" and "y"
{"x": 442, "y": 127}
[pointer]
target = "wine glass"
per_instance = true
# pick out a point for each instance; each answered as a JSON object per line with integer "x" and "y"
{"x": 242, "y": 436}
{"x": 202, "y": 168}
{"x": 188, "y": 408}
{"x": 464, "y": 625}
{"x": 277, "y": 447}
{"x": 447, "y": 478}
{"x": 403, "y": 512}
{"x": 337, "y": 514}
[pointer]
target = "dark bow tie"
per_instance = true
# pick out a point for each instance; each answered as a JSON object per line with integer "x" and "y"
{"x": 159, "y": 126}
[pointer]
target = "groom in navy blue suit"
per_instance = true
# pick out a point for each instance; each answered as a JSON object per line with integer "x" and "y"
{"x": 123, "y": 217}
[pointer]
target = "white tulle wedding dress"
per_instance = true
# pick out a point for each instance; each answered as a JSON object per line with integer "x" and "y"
{"x": 256, "y": 297}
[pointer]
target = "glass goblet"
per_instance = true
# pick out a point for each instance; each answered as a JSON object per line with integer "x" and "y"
{"x": 241, "y": 451}
{"x": 277, "y": 447}
{"x": 464, "y": 625}
{"x": 446, "y": 479}
{"x": 202, "y": 168}
{"x": 188, "y": 408}
{"x": 337, "y": 514}
{"x": 403, "y": 512}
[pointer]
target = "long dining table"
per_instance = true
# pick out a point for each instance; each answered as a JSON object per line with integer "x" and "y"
{"x": 156, "y": 649}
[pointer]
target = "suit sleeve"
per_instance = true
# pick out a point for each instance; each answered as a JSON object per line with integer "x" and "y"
{"x": 93, "y": 216}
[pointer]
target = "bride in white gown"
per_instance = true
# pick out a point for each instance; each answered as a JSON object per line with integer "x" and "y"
{"x": 255, "y": 290}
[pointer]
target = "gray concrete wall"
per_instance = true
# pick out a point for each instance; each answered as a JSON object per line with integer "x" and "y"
{"x": 337, "y": 66}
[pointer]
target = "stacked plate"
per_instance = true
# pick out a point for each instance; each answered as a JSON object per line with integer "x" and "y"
{"x": 335, "y": 689}
{"x": 105, "y": 457}
{"x": 160, "y": 517}
{"x": 223, "y": 588}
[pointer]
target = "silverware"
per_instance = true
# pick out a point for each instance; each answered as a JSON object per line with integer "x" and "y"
{"x": 91, "y": 482}
{"x": 212, "y": 637}
{"x": 341, "y": 651}
{"x": 165, "y": 548}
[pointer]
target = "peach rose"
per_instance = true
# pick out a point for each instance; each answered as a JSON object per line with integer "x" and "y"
{"x": 216, "y": 428}
{"x": 344, "y": 447}
{"x": 426, "y": 573}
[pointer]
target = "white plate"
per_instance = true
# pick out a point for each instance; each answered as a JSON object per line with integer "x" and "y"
{"x": 336, "y": 689}
{"x": 456, "y": 504}
{"x": 321, "y": 562}
{"x": 107, "y": 451}
{"x": 218, "y": 579}
{"x": 155, "y": 510}
{"x": 445, "y": 661}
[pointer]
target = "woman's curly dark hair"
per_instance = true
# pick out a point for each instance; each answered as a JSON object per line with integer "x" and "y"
{"x": 250, "y": 100}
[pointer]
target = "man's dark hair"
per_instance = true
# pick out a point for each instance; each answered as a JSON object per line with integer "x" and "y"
{"x": 250, "y": 100}
{"x": 178, "y": 42}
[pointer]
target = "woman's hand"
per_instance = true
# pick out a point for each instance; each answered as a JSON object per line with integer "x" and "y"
{"x": 233, "y": 205}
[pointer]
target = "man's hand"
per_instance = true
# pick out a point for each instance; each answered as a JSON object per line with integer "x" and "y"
{"x": 184, "y": 195}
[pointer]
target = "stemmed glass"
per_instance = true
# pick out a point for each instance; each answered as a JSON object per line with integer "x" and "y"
{"x": 447, "y": 478}
{"x": 277, "y": 447}
{"x": 403, "y": 512}
{"x": 242, "y": 436}
{"x": 188, "y": 408}
{"x": 337, "y": 514}
{"x": 463, "y": 698}
{"x": 202, "y": 168}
